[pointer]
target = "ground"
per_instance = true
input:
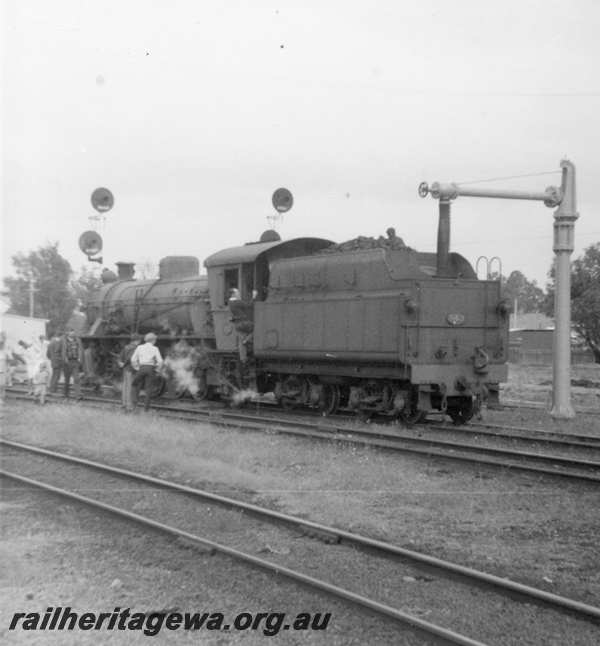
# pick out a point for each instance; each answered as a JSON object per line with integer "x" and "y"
{"x": 538, "y": 530}
{"x": 534, "y": 383}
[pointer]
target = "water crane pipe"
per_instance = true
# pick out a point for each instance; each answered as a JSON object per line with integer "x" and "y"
{"x": 551, "y": 196}
{"x": 564, "y": 230}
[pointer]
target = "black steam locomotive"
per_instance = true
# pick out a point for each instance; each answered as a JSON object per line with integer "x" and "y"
{"x": 370, "y": 325}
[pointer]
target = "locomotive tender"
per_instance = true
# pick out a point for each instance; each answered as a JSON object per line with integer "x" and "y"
{"x": 369, "y": 325}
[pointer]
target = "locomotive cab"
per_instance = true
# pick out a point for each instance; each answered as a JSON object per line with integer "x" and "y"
{"x": 246, "y": 270}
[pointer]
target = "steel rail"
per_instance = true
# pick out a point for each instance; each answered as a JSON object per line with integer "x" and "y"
{"x": 519, "y": 433}
{"x": 583, "y": 440}
{"x": 577, "y": 440}
{"x": 433, "y": 452}
{"x": 358, "y": 540}
{"x": 318, "y": 584}
{"x": 391, "y": 441}
{"x": 368, "y": 438}
{"x": 254, "y": 418}
{"x": 577, "y": 462}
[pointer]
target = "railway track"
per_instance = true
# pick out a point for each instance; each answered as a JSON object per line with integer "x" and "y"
{"x": 512, "y": 433}
{"x": 403, "y": 440}
{"x": 511, "y": 404}
{"x": 572, "y": 447}
{"x": 437, "y": 579}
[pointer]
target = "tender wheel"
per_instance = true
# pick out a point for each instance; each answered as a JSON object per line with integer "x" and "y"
{"x": 293, "y": 392}
{"x": 330, "y": 399}
{"x": 463, "y": 412}
{"x": 411, "y": 416}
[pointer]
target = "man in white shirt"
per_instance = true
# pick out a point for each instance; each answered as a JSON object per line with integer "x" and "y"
{"x": 146, "y": 360}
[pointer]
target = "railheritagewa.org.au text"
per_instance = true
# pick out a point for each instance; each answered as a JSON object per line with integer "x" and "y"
{"x": 151, "y": 623}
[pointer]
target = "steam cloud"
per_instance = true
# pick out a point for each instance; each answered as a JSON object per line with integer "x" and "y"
{"x": 242, "y": 396}
{"x": 182, "y": 370}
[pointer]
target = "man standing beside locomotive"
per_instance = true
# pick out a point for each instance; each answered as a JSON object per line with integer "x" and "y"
{"x": 72, "y": 359}
{"x": 125, "y": 363}
{"x": 54, "y": 353}
{"x": 146, "y": 360}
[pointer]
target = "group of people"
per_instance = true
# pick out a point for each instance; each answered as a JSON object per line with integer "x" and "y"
{"x": 64, "y": 355}
{"x": 44, "y": 363}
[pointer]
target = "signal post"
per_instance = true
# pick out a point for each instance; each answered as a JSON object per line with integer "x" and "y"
{"x": 564, "y": 232}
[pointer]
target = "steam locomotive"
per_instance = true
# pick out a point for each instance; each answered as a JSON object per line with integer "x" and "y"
{"x": 370, "y": 325}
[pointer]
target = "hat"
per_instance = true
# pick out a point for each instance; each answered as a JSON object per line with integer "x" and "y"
{"x": 150, "y": 337}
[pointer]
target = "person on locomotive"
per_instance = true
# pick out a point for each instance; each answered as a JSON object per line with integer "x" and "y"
{"x": 146, "y": 360}
{"x": 393, "y": 241}
{"x": 125, "y": 363}
{"x": 72, "y": 359}
{"x": 234, "y": 295}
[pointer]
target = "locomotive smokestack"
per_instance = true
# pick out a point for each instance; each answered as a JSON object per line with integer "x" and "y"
{"x": 443, "y": 240}
{"x": 126, "y": 270}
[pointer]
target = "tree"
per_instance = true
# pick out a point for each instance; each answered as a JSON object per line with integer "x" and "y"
{"x": 51, "y": 273}
{"x": 530, "y": 297}
{"x": 585, "y": 297}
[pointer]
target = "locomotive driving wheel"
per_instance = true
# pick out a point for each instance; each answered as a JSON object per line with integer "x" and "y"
{"x": 202, "y": 383}
{"x": 174, "y": 390}
{"x": 411, "y": 413}
{"x": 197, "y": 388}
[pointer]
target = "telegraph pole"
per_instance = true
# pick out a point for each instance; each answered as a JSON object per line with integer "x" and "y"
{"x": 564, "y": 231}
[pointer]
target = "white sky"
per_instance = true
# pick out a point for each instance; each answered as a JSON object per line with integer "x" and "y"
{"x": 192, "y": 113}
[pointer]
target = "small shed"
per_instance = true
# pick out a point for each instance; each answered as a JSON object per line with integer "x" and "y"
{"x": 22, "y": 328}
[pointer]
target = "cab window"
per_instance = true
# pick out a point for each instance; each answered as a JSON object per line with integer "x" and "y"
{"x": 232, "y": 280}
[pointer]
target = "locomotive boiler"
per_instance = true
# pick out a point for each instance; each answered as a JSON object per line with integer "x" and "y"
{"x": 175, "y": 306}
